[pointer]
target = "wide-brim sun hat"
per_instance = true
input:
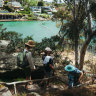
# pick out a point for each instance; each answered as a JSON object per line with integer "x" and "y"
{"x": 69, "y": 68}
{"x": 48, "y": 49}
{"x": 30, "y": 43}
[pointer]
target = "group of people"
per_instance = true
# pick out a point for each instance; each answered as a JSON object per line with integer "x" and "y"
{"x": 74, "y": 74}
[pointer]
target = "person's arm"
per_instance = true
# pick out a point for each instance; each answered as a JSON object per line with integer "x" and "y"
{"x": 30, "y": 60}
{"x": 81, "y": 74}
{"x": 52, "y": 67}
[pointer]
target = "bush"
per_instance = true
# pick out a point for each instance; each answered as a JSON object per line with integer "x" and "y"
{"x": 41, "y": 3}
{"x": 47, "y": 42}
{"x": 44, "y": 15}
{"x": 15, "y": 41}
{"x": 27, "y": 38}
{"x": 8, "y": 8}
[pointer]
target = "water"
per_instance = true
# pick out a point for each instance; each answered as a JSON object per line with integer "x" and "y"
{"x": 37, "y": 29}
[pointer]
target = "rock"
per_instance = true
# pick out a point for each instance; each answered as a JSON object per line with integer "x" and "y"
{"x": 5, "y": 92}
{"x": 14, "y": 54}
{"x": 33, "y": 94}
{"x": 54, "y": 86}
{"x": 4, "y": 43}
{"x": 1, "y": 62}
{"x": 2, "y": 66}
{"x": 34, "y": 87}
{"x": 8, "y": 61}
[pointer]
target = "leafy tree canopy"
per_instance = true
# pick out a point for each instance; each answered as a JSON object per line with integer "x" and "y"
{"x": 93, "y": 9}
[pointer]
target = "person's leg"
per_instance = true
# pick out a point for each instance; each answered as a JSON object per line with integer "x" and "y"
{"x": 76, "y": 80}
{"x": 28, "y": 76}
{"x": 71, "y": 82}
{"x": 49, "y": 74}
{"x": 43, "y": 81}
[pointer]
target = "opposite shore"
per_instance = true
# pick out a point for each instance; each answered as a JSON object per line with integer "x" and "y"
{"x": 9, "y": 20}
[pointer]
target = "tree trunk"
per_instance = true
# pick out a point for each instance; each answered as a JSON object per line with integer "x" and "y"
{"x": 76, "y": 50}
{"x": 83, "y": 50}
{"x": 76, "y": 34}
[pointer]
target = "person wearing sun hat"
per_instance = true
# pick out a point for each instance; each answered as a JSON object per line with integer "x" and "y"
{"x": 28, "y": 46}
{"x": 74, "y": 75}
{"x": 48, "y": 65}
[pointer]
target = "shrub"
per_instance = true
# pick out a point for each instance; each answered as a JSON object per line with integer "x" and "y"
{"x": 27, "y": 38}
{"x": 41, "y": 3}
{"x": 15, "y": 41}
{"x": 45, "y": 15}
{"x": 47, "y": 42}
{"x": 8, "y": 8}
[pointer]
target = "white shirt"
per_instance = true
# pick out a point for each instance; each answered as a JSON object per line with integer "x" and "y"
{"x": 46, "y": 60}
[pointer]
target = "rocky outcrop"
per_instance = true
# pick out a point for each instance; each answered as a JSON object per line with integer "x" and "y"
{"x": 3, "y": 44}
{"x": 5, "y": 92}
{"x": 7, "y": 61}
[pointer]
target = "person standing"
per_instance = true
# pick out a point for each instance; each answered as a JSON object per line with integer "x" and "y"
{"x": 74, "y": 75}
{"x": 28, "y": 46}
{"x": 48, "y": 64}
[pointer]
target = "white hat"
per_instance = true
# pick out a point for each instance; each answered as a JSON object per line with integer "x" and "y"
{"x": 48, "y": 49}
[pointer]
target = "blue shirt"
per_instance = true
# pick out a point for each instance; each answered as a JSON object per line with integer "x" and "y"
{"x": 72, "y": 74}
{"x": 73, "y": 77}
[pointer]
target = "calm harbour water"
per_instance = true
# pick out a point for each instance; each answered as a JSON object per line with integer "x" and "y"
{"x": 37, "y": 29}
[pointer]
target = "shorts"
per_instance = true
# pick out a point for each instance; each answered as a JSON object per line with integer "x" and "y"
{"x": 27, "y": 71}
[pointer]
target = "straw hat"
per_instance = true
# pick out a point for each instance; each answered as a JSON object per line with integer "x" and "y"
{"x": 69, "y": 68}
{"x": 30, "y": 43}
{"x": 48, "y": 49}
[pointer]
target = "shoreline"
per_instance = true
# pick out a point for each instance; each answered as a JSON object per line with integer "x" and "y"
{"x": 9, "y": 20}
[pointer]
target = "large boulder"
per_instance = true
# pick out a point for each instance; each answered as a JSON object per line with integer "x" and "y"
{"x": 7, "y": 61}
{"x": 5, "y": 92}
{"x": 3, "y": 44}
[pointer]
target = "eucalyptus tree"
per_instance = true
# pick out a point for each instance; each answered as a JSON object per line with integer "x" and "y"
{"x": 78, "y": 24}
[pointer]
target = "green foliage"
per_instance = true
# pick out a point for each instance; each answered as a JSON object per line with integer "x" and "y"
{"x": 31, "y": 17}
{"x": 44, "y": 15}
{"x": 15, "y": 41}
{"x": 93, "y": 9}
{"x": 63, "y": 13}
{"x": 5, "y": 2}
{"x": 71, "y": 28}
{"x": 27, "y": 38}
{"x": 26, "y": 10}
{"x": 2, "y": 32}
{"x": 41, "y": 3}
{"x": 47, "y": 42}
{"x": 8, "y": 8}
{"x": 33, "y": 2}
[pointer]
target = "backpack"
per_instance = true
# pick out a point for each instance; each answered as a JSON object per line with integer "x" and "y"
{"x": 22, "y": 61}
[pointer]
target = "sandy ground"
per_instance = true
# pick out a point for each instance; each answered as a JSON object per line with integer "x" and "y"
{"x": 90, "y": 58}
